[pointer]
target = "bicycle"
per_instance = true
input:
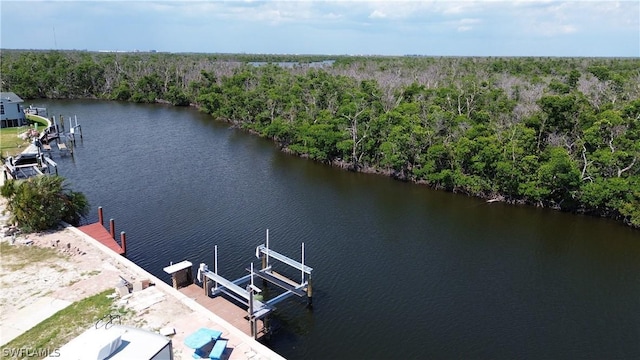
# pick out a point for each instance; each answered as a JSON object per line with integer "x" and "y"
{"x": 108, "y": 323}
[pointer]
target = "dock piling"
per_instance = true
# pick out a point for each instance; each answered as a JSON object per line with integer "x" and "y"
{"x": 112, "y": 228}
{"x": 309, "y": 293}
{"x": 215, "y": 264}
{"x": 123, "y": 242}
{"x": 106, "y": 237}
{"x": 100, "y": 216}
{"x": 72, "y": 136}
{"x": 252, "y": 319}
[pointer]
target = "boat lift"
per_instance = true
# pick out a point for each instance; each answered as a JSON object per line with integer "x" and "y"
{"x": 292, "y": 287}
{"x": 65, "y": 141}
{"x": 256, "y": 309}
{"x": 74, "y": 129}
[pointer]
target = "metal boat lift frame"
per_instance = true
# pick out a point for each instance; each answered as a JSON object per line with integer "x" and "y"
{"x": 257, "y": 309}
{"x": 290, "y": 286}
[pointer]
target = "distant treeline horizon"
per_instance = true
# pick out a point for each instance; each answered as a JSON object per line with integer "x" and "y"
{"x": 276, "y": 57}
{"x": 546, "y": 131}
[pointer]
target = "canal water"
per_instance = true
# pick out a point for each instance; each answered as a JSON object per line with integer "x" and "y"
{"x": 400, "y": 271}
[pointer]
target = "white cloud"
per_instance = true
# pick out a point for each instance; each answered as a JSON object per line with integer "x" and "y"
{"x": 244, "y": 23}
{"x": 377, "y": 14}
{"x": 464, "y": 25}
{"x": 332, "y": 16}
{"x": 550, "y": 18}
{"x": 469, "y": 21}
{"x": 553, "y": 29}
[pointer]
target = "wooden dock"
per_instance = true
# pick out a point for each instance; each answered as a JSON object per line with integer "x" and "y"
{"x": 224, "y": 308}
{"x": 106, "y": 238}
{"x": 98, "y": 232}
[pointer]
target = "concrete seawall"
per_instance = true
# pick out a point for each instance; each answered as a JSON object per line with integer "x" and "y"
{"x": 239, "y": 337}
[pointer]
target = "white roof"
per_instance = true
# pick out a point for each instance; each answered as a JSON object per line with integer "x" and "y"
{"x": 117, "y": 343}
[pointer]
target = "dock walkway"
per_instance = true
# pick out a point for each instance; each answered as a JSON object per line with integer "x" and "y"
{"x": 99, "y": 233}
{"x": 231, "y": 313}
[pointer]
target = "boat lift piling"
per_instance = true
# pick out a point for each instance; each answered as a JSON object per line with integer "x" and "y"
{"x": 73, "y": 129}
{"x": 302, "y": 288}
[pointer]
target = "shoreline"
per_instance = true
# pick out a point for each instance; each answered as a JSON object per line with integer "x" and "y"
{"x": 85, "y": 267}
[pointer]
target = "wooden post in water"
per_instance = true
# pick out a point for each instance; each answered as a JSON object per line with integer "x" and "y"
{"x": 123, "y": 242}
{"x": 265, "y": 256}
{"x": 265, "y": 259}
{"x": 100, "y": 216}
{"x": 309, "y": 293}
{"x": 79, "y": 127}
{"x": 215, "y": 266}
{"x": 57, "y": 128}
{"x": 252, "y": 319}
{"x": 112, "y": 228}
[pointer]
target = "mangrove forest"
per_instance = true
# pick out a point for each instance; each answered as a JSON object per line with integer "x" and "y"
{"x": 562, "y": 133}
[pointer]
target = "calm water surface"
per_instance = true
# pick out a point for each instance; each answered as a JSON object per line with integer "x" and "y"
{"x": 400, "y": 271}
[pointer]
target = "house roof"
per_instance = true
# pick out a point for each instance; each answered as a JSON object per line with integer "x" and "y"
{"x": 117, "y": 342}
{"x": 10, "y": 97}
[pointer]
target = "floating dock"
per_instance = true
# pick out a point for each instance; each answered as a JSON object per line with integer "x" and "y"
{"x": 240, "y": 301}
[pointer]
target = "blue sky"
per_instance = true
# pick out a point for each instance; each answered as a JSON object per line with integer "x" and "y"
{"x": 438, "y": 28}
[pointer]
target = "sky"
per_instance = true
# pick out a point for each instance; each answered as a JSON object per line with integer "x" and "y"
{"x": 433, "y": 28}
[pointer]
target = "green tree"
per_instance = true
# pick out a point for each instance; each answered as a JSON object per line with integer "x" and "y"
{"x": 41, "y": 202}
{"x": 558, "y": 176}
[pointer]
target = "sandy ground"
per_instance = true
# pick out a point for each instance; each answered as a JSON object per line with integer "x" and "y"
{"x": 81, "y": 270}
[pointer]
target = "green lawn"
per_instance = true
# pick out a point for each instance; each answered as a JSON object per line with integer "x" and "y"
{"x": 10, "y": 143}
{"x": 52, "y": 333}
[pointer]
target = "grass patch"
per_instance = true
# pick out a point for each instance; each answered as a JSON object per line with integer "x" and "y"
{"x": 91, "y": 273}
{"x": 17, "y": 257}
{"x": 10, "y": 143}
{"x": 63, "y": 326}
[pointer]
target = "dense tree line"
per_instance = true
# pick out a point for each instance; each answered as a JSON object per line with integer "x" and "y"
{"x": 553, "y": 132}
